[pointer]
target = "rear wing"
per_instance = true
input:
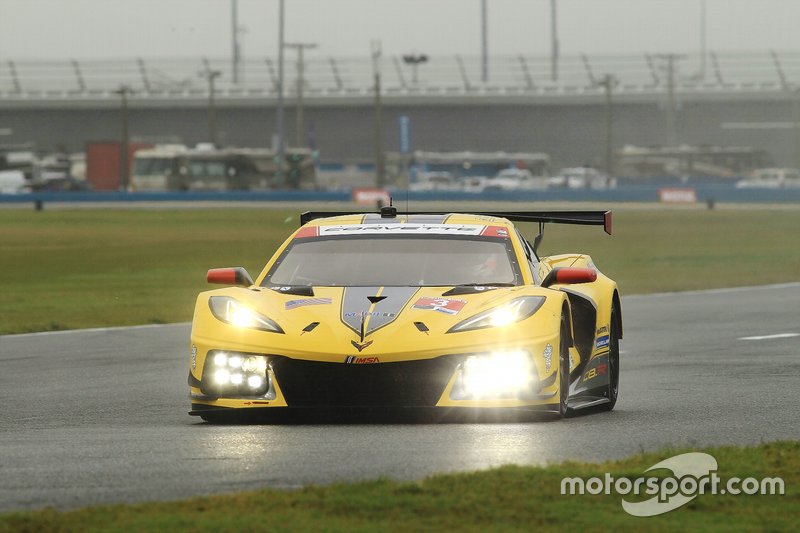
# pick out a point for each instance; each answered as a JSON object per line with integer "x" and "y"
{"x": 590, "y": 218}
{"x": 587, "y": 218}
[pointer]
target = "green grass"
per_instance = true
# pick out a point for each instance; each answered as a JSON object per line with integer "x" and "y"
{"x": 65, "y": 269}
{"x": 510, "y": 498}
{"x": 85, "y": 268}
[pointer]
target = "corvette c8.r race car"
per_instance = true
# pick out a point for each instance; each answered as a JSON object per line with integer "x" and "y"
{"x": 454, "y": 312}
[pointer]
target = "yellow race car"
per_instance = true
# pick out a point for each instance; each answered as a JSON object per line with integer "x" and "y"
{"x": 454, "y": 312}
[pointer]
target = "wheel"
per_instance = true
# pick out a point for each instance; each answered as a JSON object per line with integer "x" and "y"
{"x": 563, "y": 369}
{"x": 613, "y": 362}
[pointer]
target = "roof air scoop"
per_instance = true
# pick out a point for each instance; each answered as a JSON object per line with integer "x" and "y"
{"x": 375, "y": 299}
{"x": 388, "y": 212}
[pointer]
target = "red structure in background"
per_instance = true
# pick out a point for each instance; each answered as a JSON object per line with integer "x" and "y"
{"x": 103, "y": 165}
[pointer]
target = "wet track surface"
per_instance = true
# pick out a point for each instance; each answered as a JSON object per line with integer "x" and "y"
{"x": 99, "y": 416}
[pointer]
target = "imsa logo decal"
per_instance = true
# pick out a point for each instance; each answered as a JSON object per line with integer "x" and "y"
{"x": 355, "y": 360}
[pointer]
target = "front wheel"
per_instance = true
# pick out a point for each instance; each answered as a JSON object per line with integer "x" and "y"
{"x": 613, "y": 362}
{"x": 563, "y": 369}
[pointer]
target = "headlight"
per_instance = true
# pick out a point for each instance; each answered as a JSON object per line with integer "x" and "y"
{"x": 232, "y": 312}
{"x": 508, "y": 374}
{"x": 503, "y": 315}
{"x": 237, "y": 374}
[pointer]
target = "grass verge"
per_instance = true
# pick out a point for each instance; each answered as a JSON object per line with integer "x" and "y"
{"x": 510, "y": 498}
{"x": 66, "y": 269}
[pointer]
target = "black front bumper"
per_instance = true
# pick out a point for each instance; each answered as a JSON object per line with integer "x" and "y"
{"x": 403, "y": 384}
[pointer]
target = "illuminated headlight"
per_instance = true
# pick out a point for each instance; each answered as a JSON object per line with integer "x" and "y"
{"x": 237, "y": 375}
{"x": 496, "y": 375}
{"x": 233, "y": 312}
{"x": 509, "y": 313}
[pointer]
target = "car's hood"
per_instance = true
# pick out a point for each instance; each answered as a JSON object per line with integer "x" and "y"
{"x": 399, "y": 320}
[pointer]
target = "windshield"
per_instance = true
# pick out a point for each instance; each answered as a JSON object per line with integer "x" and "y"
{"x": 153, "y": 166}
{"x": 201, "y": 169}
{"x": 396, "y": 261}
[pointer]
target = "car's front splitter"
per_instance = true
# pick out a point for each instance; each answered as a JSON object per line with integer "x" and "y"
{"x": 361, "y": 414}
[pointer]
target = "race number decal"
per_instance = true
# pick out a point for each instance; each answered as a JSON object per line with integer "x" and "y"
{"x": 443, "y": 305}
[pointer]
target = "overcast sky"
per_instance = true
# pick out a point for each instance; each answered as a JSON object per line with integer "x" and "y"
{"x": 83, "y": 29}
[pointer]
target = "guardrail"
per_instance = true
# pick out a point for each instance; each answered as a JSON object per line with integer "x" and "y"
{"x": 349, "y": 77}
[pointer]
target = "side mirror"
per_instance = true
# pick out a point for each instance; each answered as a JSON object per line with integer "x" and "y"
{"x": 564, "y": 275}
{"x": 230, "y": 276}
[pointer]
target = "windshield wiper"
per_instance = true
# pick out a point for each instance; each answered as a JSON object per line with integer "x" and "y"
{"x": 471, "y": 288}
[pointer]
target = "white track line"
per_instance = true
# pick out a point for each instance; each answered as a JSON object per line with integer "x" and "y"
{"x": 94, "y": 330}
{"x": 725, "y": 290}
{"x": 765, "y": 337}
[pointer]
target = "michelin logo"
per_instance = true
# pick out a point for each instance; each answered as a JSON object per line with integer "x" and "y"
{"x": 602, "y": 342}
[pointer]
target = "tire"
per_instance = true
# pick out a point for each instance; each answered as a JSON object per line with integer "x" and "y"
{"x": 563, "y": 369}
{"x": 613, "y": 362}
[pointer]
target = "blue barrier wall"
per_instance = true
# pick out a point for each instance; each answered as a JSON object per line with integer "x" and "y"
{"x": 721, "y": 193}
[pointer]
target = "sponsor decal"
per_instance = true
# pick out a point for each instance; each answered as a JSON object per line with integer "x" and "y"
{"x": 373, "y": 314}
{"x": 310, "y": 231}
{"x": 404, "y": 229}
{"x": 360, "y": 347}
{"x": 677, "y": 196}
{"x": 495, "y": 231}
{"x": 381, "y": 313}
{"x": 602, "y": 330}
{"x": 194, "y": 356}
{"x": 355, "y": 360}
{"x": 602, "y": 342}
{"x": 443, "y": 305}
{"x": 599, "y": 370}
{"x": 548, "y": 357}
{"x": 370, "y": 196}
{"x": 294, "y": 304}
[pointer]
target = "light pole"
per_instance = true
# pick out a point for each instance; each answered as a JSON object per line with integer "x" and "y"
{"x": 414, "y": 60}
{"x": 796, "y": 118}
{"x": 124, "y": 165}
{"x": 279, "y": 111}
{"x": 484, "y": 43}
{"x": 703, "y": 33}
{"x": 671, "y": 133}
{"x": 212, "y": 75}
{"x": 235, "y": 50}
{"x": 554, "y": 41}
{"x": 376, "y": 70}
{"x": 608, "y": 83}
{"x": 300, "y": 126}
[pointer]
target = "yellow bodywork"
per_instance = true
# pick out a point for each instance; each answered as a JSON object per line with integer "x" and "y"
{"x": 332, "y": 341}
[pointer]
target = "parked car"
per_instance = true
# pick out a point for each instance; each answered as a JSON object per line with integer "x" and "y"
{"x": 579, "y": 178}
{"x": 435, "y": 181}
{"x": 512, "y": 179}
{"x": 13, "y": 182}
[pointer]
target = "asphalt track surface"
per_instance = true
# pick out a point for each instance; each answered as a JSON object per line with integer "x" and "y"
{"x": 99, "y": 416}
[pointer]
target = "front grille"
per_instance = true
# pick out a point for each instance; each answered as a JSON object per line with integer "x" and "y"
{"x": 404, "y": 384}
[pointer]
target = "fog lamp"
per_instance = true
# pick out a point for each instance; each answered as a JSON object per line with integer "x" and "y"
{"x": 237, "y": 375}
{"x": 506, "y": 374}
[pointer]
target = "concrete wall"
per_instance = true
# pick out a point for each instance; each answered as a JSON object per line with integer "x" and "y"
{"x": 572, "y": 133}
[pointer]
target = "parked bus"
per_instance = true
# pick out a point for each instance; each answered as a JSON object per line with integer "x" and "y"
{"x": 177, "y": 168}
{"x": 721, "y": 162}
